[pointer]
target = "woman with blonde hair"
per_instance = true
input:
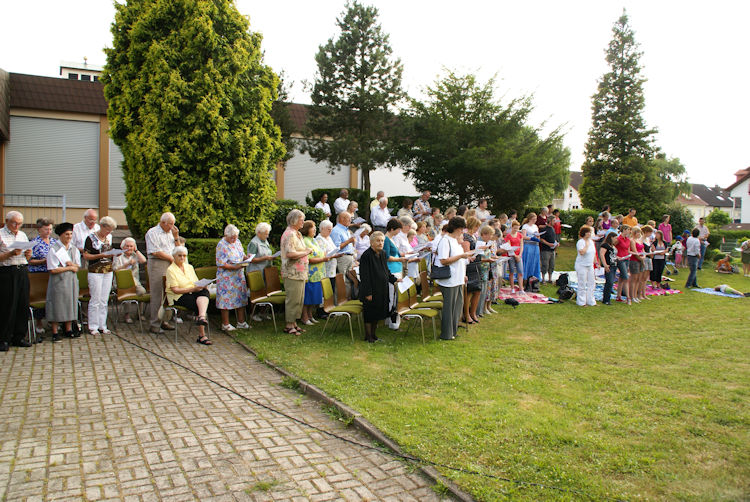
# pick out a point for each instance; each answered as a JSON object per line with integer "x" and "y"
{"x": 584, "y": 266}
{"x": 531, "y": 259}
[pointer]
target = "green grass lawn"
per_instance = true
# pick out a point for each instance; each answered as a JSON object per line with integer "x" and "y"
{"x": 642, "y": 402}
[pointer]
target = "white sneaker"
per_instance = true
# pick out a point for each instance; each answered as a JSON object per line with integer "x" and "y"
{"x": 308, "y": 322}
{"x": 257, "y": 318}
{"x": 227, "y": 327}
{"x": 314, "y": 320}
{"x": 243, "y": 325}
{"x": 178, "y": 320}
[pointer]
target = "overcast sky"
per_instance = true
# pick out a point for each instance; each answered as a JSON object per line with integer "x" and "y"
{"x": 695, "y": 57}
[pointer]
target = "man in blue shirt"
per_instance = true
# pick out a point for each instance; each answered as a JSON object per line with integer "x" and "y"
{"x": 344, "y": 240}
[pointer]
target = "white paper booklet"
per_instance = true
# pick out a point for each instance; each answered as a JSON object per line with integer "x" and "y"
{"x": 113, "y": 252}
{"x": 405, "y": 284}
{"x": 63, "y": 256}
{"x": 204, "y": 282}
{"x": 276, "y": 254}
{"x": 358, "y": 221}
{"x": 21, "y": 245}
{"x": 246, "y": 261}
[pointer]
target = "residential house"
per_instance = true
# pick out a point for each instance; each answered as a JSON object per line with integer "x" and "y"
{"x": 705, "y": 199}
{"x": 571, "y": 199}
{"x": 740, "y": 191}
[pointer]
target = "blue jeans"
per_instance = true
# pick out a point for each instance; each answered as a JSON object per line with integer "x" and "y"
{"x": 693, "y": 264}
{"x": 609, "y": 278}
{"x": 704, "y": 245}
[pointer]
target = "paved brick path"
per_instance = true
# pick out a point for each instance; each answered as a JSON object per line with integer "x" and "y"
{"x": 96, "y": 418}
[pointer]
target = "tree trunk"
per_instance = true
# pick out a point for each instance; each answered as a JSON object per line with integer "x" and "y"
{"x": 366, "y": 180}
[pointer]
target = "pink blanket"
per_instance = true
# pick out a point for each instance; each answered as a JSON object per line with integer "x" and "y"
{"x": 521, "y": 297}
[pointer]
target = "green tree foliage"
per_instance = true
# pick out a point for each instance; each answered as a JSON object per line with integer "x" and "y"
{"x": 354, "y": 95}
{"x": 718, "y": 218}
{"x": 621, "y": 166}
{"x": 464, "y": 145}
{"x": 190, "y": 108}
{"x": 282, "y": 118}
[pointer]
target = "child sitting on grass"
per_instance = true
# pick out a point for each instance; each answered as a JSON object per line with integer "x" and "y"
{"x": 724, "y": 266}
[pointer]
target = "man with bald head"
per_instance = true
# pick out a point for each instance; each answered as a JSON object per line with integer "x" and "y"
{"x": 160, "y": 242}
{"x": 14, "y": 283}
{"x": 84, "y": 228}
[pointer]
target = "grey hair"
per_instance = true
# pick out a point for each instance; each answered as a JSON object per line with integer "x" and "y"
{"x": 405, "y": 220}
{"x": 262, "y": 227}
{"x": 325, "y": 224}
{"x": 89, "y": 211}
{"x": 377, "y": 235}
{"x": 230, "y": 231}
{"x": 384, "y": 198}
{"x": 108, "y": 221}
{"x": 13, "y": 214}
{"x": 43, "y": 222}
{"x": 367, "y": 228}
{"x": 179, "y": 249}
{"x": 127, "y": 240}
{"x": 293, "y": 216}
{"x": 167, "y": 218}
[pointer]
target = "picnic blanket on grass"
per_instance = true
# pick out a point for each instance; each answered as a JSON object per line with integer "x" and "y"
{"x": 710, "y": 291}
{"x": 521, "y": 297}
{"x": 650, "y": 291}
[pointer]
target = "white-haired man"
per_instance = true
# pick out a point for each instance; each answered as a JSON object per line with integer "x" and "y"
{"x": 14, "y": 283}
{"x": 376, "y": 201}
{"x": 160, "y": 242}
{"x": 422, "y": 209}
{"x": 84, "y": 228}
{"x": 380, "y": 215}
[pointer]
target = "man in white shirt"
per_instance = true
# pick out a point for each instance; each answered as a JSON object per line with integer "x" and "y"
{"x": 160, "y": 242}
{"x": 482, "y": 213}
{"x": 703, "y": 234}
{"x": 421, "y": 208}
{"x": 380, "y": 215}
{"x": 14, "y": 283}
{"x": 340, "y": 204}
{"x": 376, "y": 201}
{"x": 323, "y": 205}
{"x": 84, "y": 228}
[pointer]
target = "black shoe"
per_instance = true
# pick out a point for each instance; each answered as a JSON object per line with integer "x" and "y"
{"x": 73, "y": 334}
{"x": 38, "y": 339}
{"x": 21, "y": 343}
{"x": 4, "y": 347}
{"x": 57, "y": 338}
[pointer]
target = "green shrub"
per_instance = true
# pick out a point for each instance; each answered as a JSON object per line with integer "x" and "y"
{"x": 361, "y": 197}
{"x": 680, "y": 218}
{"x": 718, "y": 218}
{"x": 576, "y": 218}
{"x": 278, "y": 217}
{"x": 202, "y": 252}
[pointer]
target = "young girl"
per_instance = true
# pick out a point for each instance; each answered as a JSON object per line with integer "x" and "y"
{"x": 608, "y": 259}
{"x": 676, "y": 250}
{"x": 659, "y": 259}
{"x": 530, "y": 255}
{"x": 623, "y": 255}
{"x": 486, "y": 233}
{"x": 648, "y": 232}
{"x": 515, "y": 264}
{"x": 636, "y": 264}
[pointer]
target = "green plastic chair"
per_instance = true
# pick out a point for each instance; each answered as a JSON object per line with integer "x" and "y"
{"x": 258, "y": 296}
{"x": 342, "y": 310}
{"x": 406, "y": 312}
{"x": 126, "y": 294}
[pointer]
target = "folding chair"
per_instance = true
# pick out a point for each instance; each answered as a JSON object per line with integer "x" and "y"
{"x": 273, "y": 282}
{"x": 38, "y": 282}
{"x": 341, "y": 310}
{"x": 178, "y": 308}
{"x": 127, "y": 294}
{"x": 341, "y": 292}
{"x": 418, "y": 303}
{"x": 258, "y": 296}
{"x": 406, "y": 312}
{"x": 83, "y": 293}
{"x": 428, "y": 293}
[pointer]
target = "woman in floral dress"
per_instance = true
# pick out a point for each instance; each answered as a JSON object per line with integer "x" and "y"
{"x": 231, "y": 287}
{"x": 316, "y": 272}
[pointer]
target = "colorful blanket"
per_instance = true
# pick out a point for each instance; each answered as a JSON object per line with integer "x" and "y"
{"x": 521, "y": 297}
{"x": 650, "y": 291}
{"x": 710, "y": 291}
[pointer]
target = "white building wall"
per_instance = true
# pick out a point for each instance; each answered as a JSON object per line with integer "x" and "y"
{"x": 392, "y": 182}
{"x": 302, "y": 174}
{"x": 741, "y": 192}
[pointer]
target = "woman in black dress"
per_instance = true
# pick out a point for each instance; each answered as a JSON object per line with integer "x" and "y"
{"x": 373, "y": 287}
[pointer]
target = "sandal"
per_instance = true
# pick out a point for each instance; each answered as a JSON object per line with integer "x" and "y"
{"x": 292, "y": 331}
{"x": 204, "y": 340}
{"x": 201, "y": 321}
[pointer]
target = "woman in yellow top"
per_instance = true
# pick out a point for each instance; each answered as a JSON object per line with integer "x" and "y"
{"x": 182, "y": 291}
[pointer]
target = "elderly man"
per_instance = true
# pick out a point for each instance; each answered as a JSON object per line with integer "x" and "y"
{"x": 376, "y": 201}
{"x": 84, "y": 228}
{"x": 380, "y": 215}
{"x": 14, "y": 283}
{"x": 421, "y": 207}
{"x": 340, "y": 204}
{"x": 160, "y": 242}
{"x": 344, "y": 240}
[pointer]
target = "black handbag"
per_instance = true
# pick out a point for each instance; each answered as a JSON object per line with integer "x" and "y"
{"x": 440, "y": 272}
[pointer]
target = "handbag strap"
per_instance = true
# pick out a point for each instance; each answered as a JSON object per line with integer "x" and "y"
{"x": 436, "y": 251}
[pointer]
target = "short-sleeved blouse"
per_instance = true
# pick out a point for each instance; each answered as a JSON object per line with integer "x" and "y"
{"x": 390, "y": 249}
{"x": 94, "y": 245}
{"x": 316, "y": 271}
{"x": 260, "y": 249}
{"x": 291, "y": 242}
{"x": 40, "y": 252}
{"x": 327, "y": 245}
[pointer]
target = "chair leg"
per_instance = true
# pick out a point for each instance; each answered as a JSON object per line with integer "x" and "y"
{"x": 328, "y": 318}
{"x": 31, "y": 328}
{"x": 434, "y": 333}
{"x": 351, "y": 332}
{"x": 421, "y": 325}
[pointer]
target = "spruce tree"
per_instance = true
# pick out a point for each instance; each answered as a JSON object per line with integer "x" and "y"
{"x": 618, "y": 166}
{"x": 356, "y": 90}
{"x": 190, "y": 108}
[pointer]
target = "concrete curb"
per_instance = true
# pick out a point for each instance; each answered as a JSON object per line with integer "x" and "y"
{"x": 362, "y": 424}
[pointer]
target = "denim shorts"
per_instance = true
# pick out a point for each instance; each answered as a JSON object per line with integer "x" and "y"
{"x": 636, "y": 267}
{"x": 622, "y": 266}
{"x": 515, "y": 267}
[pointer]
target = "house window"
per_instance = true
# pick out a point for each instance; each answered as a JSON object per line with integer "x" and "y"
{"x": 73, "y": 76}
{"x": 87, "y": 78}
{"x": 571, "y": 194}
{"x": 96, "y": 78}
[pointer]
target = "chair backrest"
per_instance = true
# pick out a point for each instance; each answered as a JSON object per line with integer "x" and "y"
{"x": 255, "y": 284}
{"x": 206, "y": 272}
{"x": 327, "y": 294}
{"x": 125, "y": 284}
{"x": 403, "y": 300}
{"x": 273, "y": 282}
{"x": 424, "y": 283}
{"x": 38, "y": 282}
{"x": 422, "y": 266}
{"x": 413, "y": 297}
{"x": 340, "y": 289}
{"x": 83, "y": 281}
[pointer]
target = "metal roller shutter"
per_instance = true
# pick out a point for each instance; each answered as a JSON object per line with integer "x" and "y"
{"x": 116, "y": 181}
{"x": 303, "y": 174}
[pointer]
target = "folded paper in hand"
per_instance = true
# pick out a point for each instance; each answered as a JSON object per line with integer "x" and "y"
{"x": 405, "y": 284}
{"x": 246, "y": 261}
{"x": 358, "y": 221}
{"x": 204, "y": 282}
{"x": 63, "y": 256}
{"x": 21, "y": 245}
{"x": 276, "y": 254}
{"x": 565, "y": 225}
{"x": 113, "y": 252}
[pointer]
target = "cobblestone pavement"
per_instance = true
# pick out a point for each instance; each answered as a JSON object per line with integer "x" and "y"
{"x": 96, "y": 418}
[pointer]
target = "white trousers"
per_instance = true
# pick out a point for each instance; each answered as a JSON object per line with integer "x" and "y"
{"x": 391, "y": 302}
{"x": 99, "y": 287}
{"x": 586, "y": 285}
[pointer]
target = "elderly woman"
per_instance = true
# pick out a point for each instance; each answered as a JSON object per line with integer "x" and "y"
{"x": 231, "y": 287}
{"x": 374, "y": 288}
{"x": 95, "y": 247}
{"x": 63, "y": 261}
{"x": 326, "y": 244}
{"x": 130, "y": 259}
{"x": 406, "y": 207}
{"x": 584, "y": 266}
{"x": 294, "y": 264}
{"x": 316, "y": 273}
{"x": 42, "y": 244}
{"x": 182, "y": 291}
{"x": 362, "y": 240}
{"x": 396, "y": 262}
{"x": 260, "y": 247}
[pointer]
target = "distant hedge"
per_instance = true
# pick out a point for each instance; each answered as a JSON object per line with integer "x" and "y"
{"x": 361, "y": 197}
{"x": 202, "y": 252}
{"x": 278, "y": 217}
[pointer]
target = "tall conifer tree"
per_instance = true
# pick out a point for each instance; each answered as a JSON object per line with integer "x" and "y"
{"x": 354, "y": 95}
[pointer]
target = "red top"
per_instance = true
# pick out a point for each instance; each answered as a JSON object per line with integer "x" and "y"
{"x": 515, "y": 241}
{"x": 557, "y": 226}
{"x": 639, "y": 248}
{"x": 623, "y": 246}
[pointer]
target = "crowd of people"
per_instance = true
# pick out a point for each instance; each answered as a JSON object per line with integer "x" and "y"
{"x": 467, "y": 250}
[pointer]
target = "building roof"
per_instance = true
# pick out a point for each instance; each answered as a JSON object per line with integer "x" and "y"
{"x": 576, "y": 178}
{"x": 742, "y": 175}
{"x": 736, "y": 226}
{"x": 691, "y": 200}
{"x": 298, "y": 113}
{"x": 56, "y": 94}
{"x": 4, "y": 105}
{"x": 713, "y": 196}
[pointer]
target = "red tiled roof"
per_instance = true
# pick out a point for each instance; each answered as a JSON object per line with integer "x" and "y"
{"x": 742, "y": 175}
{"x": 4, "y": 105}
{"x": 576, "y": 178}
{"x": 691, "y": 200}
{"x": 56, "y": 94}
{"x": 298, "y": 114}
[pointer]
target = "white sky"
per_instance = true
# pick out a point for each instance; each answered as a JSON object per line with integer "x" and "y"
{"x": 695, "y": 57}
